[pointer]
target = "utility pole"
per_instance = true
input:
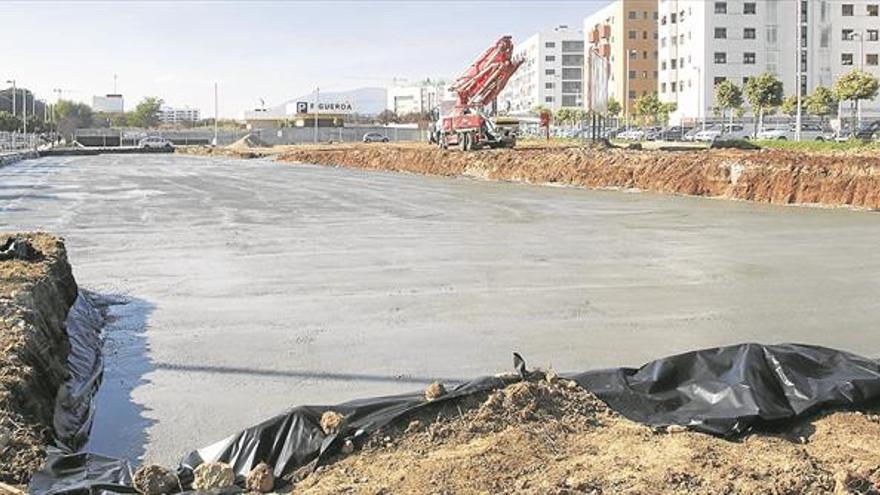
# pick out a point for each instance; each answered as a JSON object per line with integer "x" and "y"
{"x": 12, "y": 81}
{"x": 215, "y": 114}
{"x": 24, "y": 111}
{"x": 700, "y": 98}
{"x": 316, "y": 114}
{"x": 797, "y": 128}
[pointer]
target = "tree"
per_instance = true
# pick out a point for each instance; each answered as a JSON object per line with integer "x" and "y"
{"x": 763, "y": 92}
{"x": 821, "y": 103}
{"x": 387, "y": 116}
{"x": 648, "y": 107}
{"x": 566, "y": 116}
{"x": 146, "y": 113}
{"x": 789, "y": 105}
{"x": 666, "y": 109}
{"x": 613, "y": 107}
{"x": 539, "y": 109}
{"x": 728, "y": 98}
{"x": 71, "y": 116}
{"x": 855, "y": 85}
{"x": 9, "y": 122}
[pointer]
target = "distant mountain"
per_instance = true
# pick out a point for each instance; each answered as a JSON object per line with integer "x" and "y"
{"x": 365, "y": 101}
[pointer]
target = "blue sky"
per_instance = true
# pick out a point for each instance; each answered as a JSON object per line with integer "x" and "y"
{"x": 270, "y": 50}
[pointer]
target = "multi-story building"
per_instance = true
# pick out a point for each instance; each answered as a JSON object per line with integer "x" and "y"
{"x": 551, "y": 75}
{"x": 416, "y": 98}
{"x": 623, "y": 36}
{"x": 705, "y": 42}
{"x": 168, "y": 115}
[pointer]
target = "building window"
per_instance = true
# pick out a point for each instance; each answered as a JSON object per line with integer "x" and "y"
{"x": 749, "y": 33}
{"x": 550, "y": 58}
{"x": 720, "y": 7}
{"x": 720, "y": 57}
{"x": 662, "y": 87}
{"x": 873, "y": 35}
{"x": 871, "y": 59}
{"x": 572, "y": 59}
{"x": 749, "y": 58}
{"x": 573, "y": 46}
{"x": 672, "y": 86}
{"x": 847, "y": 10}
{"x": 681, "y": 63}
{"x": 645, "y": 14}
{"x": 749, "y": 8}
{"x": 672, "y": 18}
{"x": 572, "y": 73}
{"x": 663, "y": 65}
{"x": 549, "y": 72}
{"x": 672, "y": 64}
{"x": 644, "y": 35}
{"x": 745, "y": 81}
{"x": 655, "y": 55}
{"x": 655, "y": 74}
{"x": 644, "y": 74}
{"x": 720, "y": 33}
{"x": 846, "y": 34}
{"x": 681, "y": 39}
{"x": 655, "y": 35}
{"x": 846, "y": 59}
{"x": 633, "y": 55}
{"x": 632, "y": 74}
{"x": 663, "y": 21}
{"x": 632, "y": 95}
{"x": 632, "y": 14}
{"x": 874, "y": 10}
{"x": 663, "y": 42}
{"x": 548, "y": 85}
{"x": 655, "y": 16}
{"x": 717, "y": 81}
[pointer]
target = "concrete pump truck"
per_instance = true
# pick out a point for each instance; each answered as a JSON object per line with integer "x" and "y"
{"x": 467, "y": 126}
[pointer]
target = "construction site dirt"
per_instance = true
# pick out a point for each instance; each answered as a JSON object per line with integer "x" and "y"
{"x": 253, "y": 285}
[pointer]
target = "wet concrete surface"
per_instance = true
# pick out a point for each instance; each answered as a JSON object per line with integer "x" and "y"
{"x": 254, "y": 286}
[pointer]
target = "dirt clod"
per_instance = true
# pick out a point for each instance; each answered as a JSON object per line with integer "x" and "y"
{"x": 260, "y": 479}
{"x": 154, "y": 480}
{"x": 330, "y": 422}
{"x": 435, "y": 391}
{"x": 213, "y": 475}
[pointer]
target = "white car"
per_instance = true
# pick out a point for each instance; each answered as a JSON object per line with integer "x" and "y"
{"x": 632, "y": 135}
{"x": 777, "y": 134}
{"x": 155, "y": 142}
{"x": 809, "y": 132}
{"x": 717, "y": 133}
{"x": 375, "y": 137}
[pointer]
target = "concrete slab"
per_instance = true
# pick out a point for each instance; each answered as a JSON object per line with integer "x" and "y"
{"x": 255, "y": 286}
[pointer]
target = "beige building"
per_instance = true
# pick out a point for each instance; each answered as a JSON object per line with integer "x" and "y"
{"x": 623, "y": 37}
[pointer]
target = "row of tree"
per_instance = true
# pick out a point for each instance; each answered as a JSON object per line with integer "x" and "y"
{"x": 764, "y": 94}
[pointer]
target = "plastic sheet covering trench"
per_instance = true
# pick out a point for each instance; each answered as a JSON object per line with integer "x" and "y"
{"x": 722, "y": 391}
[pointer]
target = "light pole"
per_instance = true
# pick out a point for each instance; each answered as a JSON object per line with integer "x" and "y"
{"x": 215, "y": 114}
{"x": 12, "y": 81}
{"x": 316, "y": 114}
{"x": 700, "y": 97}
{"x": 861, "y": 68}
{"x": 797, "y": 128}
{"x": 628, "y": 54}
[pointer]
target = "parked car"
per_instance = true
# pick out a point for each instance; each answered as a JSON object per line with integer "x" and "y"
{"x": 774, "y": 133}
{"x": 375, "y": 137}
{"x": 722, "y": 133}
{"x": 675, "y": 133}
{"x": 869, "y": 131}
{"x": 809, "y": 132}
{"x": 155, "y": 142}
{"x": 631, "y": 135}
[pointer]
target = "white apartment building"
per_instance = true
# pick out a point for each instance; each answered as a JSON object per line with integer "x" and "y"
{"x": 551, "y": 75}
{"x": 703, "y": 42}
{"x": 169, "y": 115}
{"x": 416, "y": 98}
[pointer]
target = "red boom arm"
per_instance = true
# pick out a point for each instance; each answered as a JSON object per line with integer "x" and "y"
{"x": 488, "y": 75}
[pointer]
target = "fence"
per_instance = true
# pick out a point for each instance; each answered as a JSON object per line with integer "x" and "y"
{"x": 287, "y": 135}
{"x": 12, "y": 141}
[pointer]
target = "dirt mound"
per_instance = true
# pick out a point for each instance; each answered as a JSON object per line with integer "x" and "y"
{"x": 36, "y": 290}
{"x": 248, "y": 142}
{"x": 769, "y": 176}
{"x": 554, "y": 437}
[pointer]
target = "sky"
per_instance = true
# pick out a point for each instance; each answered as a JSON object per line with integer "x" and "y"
{"x": 273, "y": 51}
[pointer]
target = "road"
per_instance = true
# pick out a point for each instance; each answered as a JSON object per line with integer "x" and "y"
{"x": 254, "y": 286}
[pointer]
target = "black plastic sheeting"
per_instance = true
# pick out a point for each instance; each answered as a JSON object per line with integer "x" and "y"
{"x": 723, "y": 391}
{"x": 74, "y": 404}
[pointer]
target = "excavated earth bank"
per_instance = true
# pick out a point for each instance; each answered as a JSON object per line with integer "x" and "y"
{"x": 35, "y": 295}
{"x": 553, "y": 437}
{"x": 769, "y": 176}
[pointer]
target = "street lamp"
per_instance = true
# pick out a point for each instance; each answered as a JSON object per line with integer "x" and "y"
{"x": 861, "y": 37}
{"x": 627, "y": 55}
{"x": 12, "y": 81}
